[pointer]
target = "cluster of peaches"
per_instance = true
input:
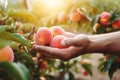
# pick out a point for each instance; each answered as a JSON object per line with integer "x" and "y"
{"x": 105, "y": 20}
{"x": 52, "y": 36}
{"x": 74, "y": 16}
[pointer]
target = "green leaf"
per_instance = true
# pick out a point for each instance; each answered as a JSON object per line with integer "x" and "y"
{"x": 4, "y": 28}
{"x": 108, "y": 63}
{"x": 61, "y": 66}
{"x": 15, "y": 37}
{"x": 4, "y": 42}
{"x": 16, "y": 70}
{"x": 23, "y": 15}
{"x": 24, "y": 56}
{"x": 71, "y": 76}
{"x": 113, "y": 68}
{"x": 88, "y": 68}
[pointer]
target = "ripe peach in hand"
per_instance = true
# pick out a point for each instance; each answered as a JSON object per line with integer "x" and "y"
{"x": 43, "y": 36}
{"x": 116, "y": 24}
{"x": 75, "y": 17}
{"x": 6, "y": 54}
{"x": 104, "y": 18}
{"x": 57, "y": 30}
{"x": 56, "y": 42}
{"x": 69, "y": 34}
{"x": 62, "y": 17}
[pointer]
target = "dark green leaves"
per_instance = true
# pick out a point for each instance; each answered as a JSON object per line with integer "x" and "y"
{"x": 113, "y": 68}
{"x": 17, "y": 70}
{"x": 108, "y": 63}
{"x": 87, "y": 67}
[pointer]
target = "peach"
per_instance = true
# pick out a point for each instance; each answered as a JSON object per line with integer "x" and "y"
{"x": 75, "y": 17}
{"x": 43, "y": 65}
{"x": 62, "y": 17}
{"x": 6, "y": 54}
{"x": 43, "y": 36}
{"x": 56, "y": 42}
{"x": 104, "y": 18}
{"x": 85, "y": 72}
{"x": 69, "y": 34}
{"x": 85, "y": 61}
{"x": 57, "y": 30}
{"x": 116, "y": 24}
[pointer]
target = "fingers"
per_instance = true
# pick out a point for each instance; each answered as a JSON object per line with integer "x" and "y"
{"x": 77, "y": 41}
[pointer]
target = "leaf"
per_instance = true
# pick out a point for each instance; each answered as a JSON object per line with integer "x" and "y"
{"x": 25, "y": 56}
{"x": 71, "y": 76}
{"x": 113, "y": 68}
{"x": 15, "y": 37}
{"x": 108, "y": 63}
{"x": 4, "y": 28}
{"x": 88, "y": 68}
{"x": 23, "y": 15}
{"x": 61, "y": 66}
{"x": 4, "y": 42}
{"x": 16, "y": 70}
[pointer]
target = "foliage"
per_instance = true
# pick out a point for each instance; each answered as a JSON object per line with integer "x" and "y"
{"x": 17, "y": 27}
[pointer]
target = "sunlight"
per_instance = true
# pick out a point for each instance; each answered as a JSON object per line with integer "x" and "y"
{"x": 53, "y": 4}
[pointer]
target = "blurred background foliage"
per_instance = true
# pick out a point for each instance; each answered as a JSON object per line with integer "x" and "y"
{"x": 44, "y": 13}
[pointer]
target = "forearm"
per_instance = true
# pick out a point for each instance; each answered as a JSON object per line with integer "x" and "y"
{"x": 105, "y": 43}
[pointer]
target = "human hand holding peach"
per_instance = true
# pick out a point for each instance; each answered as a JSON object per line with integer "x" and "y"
{"x": 77, "y": 46}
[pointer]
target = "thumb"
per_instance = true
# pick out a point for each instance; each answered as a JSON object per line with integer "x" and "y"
{"x": 68, "y": 42}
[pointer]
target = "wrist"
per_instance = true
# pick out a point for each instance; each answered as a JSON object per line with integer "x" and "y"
{"x": 96, "y": 45}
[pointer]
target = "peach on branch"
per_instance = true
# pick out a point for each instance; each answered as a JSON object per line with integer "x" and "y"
{"x": 85, "y": 72}
{"x": 62, "y": 17}
{"x": 6, "y": 54}
{"x": 116, "y": 24}
{"x": 43, "y": 65}
{"x": 43, "y": 36}
{"x": 56, "y": 42}
{"x": 75, "y": 17}
{"x": 104, "y": 18}
{"x": 57, "y": 30}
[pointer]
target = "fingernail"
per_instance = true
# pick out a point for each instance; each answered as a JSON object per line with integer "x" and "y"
{"x": 63, "y": 43}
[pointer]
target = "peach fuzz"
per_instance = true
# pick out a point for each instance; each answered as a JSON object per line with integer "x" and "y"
{"x": 75, "y": 17}
{"x": 104, "y": 18}
{"x": 56, "y": 42}
{"x": 6, "y": 54}
{"x": 57, "y": 30}
{"x": 43, "y": 36}
{"x": 116, "y": 24}
{"x": 62, "y": 17}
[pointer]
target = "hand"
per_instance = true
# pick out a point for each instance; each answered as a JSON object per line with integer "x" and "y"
{"x": 78, "y": 46}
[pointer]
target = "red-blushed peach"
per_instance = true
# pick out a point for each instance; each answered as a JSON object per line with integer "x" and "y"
{"x": 104, "y": 18}
{"x": 116, "y": 24}
{"x": 95, "y": 27}
{"x": 69, "y": 34}
{"x": 57, "y": 30}
{"x": 85, "y": 72}
{"x": 62, "y": 17}
{"x": 43, "y": 36}
{"x": 75, "y": 17}
{"x": 18, "y": 24}
{"x": 85, "y": 61}
{"x": 6, "y": 54}
{"x": 56, "y": 42}
{"x": 43, "y": 65}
